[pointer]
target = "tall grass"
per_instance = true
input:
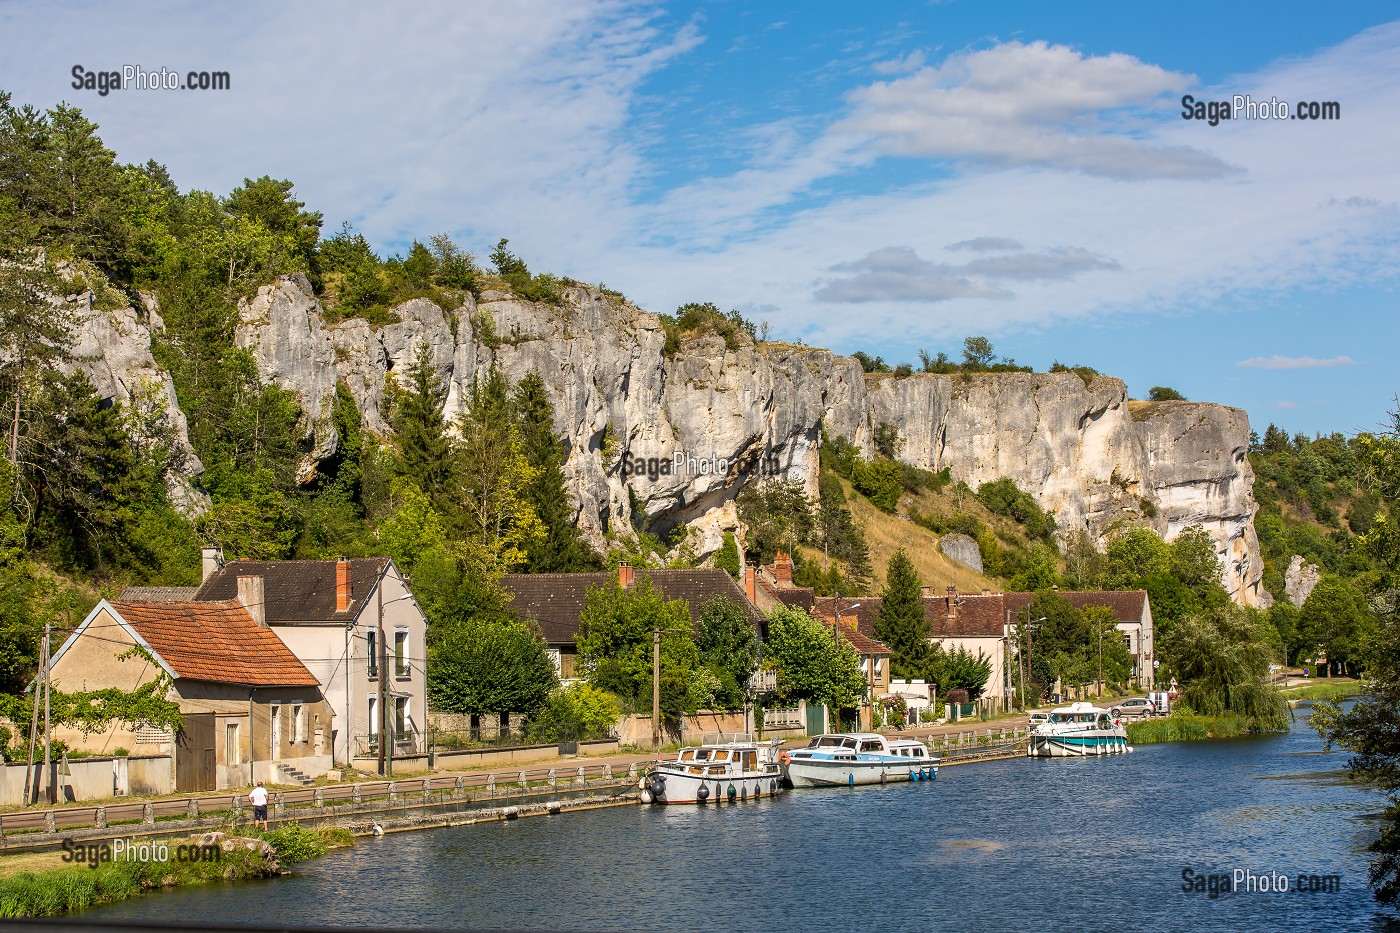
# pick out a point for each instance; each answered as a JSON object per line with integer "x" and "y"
{"x": 1187, "y": 727}
{"x": 73, "y": 888}
{"x": 1325, "y": 691}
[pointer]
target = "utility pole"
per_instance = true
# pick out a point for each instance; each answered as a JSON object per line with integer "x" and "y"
{"x": 1100, "y": 626}
{"x": 656, "y": 688}
{"x": 48, "y": 735}
{"x": 30, "y": 785}
{"x": 383, "y": 683}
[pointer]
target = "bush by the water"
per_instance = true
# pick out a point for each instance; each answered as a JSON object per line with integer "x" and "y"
{"x": 1187, "y": 727}
{"x": 295, "y": 843}
{"x": 64, "y": 890}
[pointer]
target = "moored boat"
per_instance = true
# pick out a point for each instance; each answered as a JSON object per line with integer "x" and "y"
{"x": 722, "y": 768}
{"x": 848, "y": 759}
{"x": 1076, "y": 731}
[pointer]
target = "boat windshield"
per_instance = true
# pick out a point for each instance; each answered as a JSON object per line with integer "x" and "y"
{"x": 872, "y": 746}
{"x": 832, "y": 741}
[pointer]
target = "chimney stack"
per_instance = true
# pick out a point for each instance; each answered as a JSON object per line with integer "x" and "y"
{"x": 986, "y": 592}
{"x": 625, "y": 575}
{"x": 250, "y": 594}
{"x": 213, "y": 562}
{"x": 926, "y": 591}
{"x": 343, "y": 593}
{"x": 782, "y": 569}
{"x": 952, "y": 599}
{"x": 751, "y": 584}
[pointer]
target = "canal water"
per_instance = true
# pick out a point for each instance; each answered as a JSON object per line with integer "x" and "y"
{"x": 1093, "y": 844}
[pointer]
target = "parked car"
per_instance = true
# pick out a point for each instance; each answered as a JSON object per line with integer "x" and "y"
{"x": 1038, "y": 718}
{"x": 1137, "y": 707}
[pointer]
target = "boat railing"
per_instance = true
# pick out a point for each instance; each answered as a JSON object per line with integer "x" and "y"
{"x": 726, "y": 738}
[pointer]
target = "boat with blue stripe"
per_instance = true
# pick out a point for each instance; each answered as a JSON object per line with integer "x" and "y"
{"x": 848, "y": 759}
{"x": 1080, "y": 730}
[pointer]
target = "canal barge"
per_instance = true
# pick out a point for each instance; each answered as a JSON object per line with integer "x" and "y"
{"x": 1077, "y": 731}
{"x": 848, "y": 759}
{"x": 722, "y": 768}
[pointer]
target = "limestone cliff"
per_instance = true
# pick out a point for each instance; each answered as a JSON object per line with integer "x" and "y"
{"x": 620, "y": 400}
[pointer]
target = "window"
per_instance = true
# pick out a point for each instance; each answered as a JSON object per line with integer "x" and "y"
{"x": 400, "y": 715}
{"x": 232, "y": 754}
{"x": 372, "y": 644}
{"x": 373, "y": 718}
{"x": 401, "y": 652}
{"x": 298, "y": 732}
{"x": 276, "y": 714}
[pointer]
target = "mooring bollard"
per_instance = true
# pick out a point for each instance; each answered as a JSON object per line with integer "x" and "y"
{"x": 490, "y": 785}
{"x": 50, "y": 823}
{"x": 553, "y": 780}
{"x": 320, "y": 797}
{"x": 607, "y": 772}
{"x": 237, "y": 807}
{"x": 427, "y": 789}
{"x": 192, "y": 811}
{"x": 459, "y": 787}
{"x": 279, "y": 804}
{"x": 355, "y": 797}
{"x": 632, "y": 771}
{"x": 393, "y": 791}
{"x": 582, "y": 778}
{"x": 99, "y": 818}
{"x": 523, "y": 783}
{"x": 148, "y": 813}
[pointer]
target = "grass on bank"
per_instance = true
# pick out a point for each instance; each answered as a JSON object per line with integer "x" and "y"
{"x": 1187, "y": 727}
{"x": 59, "y": 890}
{"x": 1335, "y": 688}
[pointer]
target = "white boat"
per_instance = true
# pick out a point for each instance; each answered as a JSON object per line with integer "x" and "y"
{"x": 722, "y": 768}
{"x": 1076, "y": 731}
{"x": 847, "y": 759}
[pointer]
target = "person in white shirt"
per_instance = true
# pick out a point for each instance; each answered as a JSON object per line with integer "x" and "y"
{"x": 258, "y": 797}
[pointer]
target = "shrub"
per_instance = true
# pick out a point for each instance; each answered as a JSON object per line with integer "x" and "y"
{"x": 294, "y": 843}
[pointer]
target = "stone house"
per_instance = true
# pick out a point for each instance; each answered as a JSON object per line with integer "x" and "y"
{"x": 330, "y": 614}
{"x": 250, "y": 709}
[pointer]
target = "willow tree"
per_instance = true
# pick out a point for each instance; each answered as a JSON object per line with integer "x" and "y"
{"x": 1223, "y": 659}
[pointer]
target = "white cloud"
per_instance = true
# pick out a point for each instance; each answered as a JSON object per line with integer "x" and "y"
{"x": 899, "y": 66}
{"x": 1295, "y": 362}
{"x": 896, "y": 273}
{"x": 986, "y": 244}
{"x": 1027, "y": 104}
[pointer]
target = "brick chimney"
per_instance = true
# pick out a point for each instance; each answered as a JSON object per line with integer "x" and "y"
{"x": 926, "y": 591}
{"x": 751, "y": 584}
{"x": 343, "y": 592}
{"x": 952, "y": 600}
{"x": 782, "y": 569}
{"x": 213, "y": 561}
{"x": 625, "y": 575}
{"x": 250, "y": 594}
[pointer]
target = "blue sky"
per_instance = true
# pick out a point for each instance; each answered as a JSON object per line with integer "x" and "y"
{"x": 885, "y": 177}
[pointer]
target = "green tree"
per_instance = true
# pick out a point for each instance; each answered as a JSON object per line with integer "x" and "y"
{"x": 1135, "y": 553}
{"x": 727, "y": 557}
{"x": 269, "y": 203}
{"x": 978, "y": 353}
{"x": 561, "y": 549}
{"x": 1222, "y": 660}
{"x": 900, "y": 623}
{"x": 778, "y": 517}
{"x": 729, "y": 646}
{"x": 880, "y": 481}
{"x": 489, "y": 665}
{"x": 887, "y": 441}
{"x": 578, "y": 711}
{"x": 959, "y": 669}
{"x": 1335, "y": 621}
{"x": 1164, "y": 394}
{"x": 615, "y": 644}
{"x": 812, "y": 663}
{"x": 422, "y": 432}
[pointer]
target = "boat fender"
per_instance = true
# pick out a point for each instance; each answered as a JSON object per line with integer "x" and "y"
{"x": 744, "y": 792}
{"x": 732, "y": 793}
{"x": 850, "y": 780}
{"x": 773, "y": 786}
{"x": 913, "y": 775}
{"x": 647, "y": 796}
{"x": 702, "y": 793}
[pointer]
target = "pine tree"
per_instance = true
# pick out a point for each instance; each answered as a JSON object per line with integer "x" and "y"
{"x": 417, "y": 417}
{"x": 901, "y": 624}
{"x": 562, "y": 549}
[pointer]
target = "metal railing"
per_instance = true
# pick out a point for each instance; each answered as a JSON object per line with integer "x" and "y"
{"x": 405, "y": 743}
{"x": 30, "y": 827}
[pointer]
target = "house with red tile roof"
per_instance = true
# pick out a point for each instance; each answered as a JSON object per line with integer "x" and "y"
{"x": 339, "y": 617}
{"x": 250, "y": 709}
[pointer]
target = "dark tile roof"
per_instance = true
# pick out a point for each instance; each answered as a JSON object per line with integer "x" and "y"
{"x": 1127, "y": 605}
{"x": 215, "y": 641}
{"x": 860, "y": 641}
{"x": 298, "y": 590}
{"x": 158, "y": 594}
{"x": 554, "y": 601}
{"x": 801, "y": 597}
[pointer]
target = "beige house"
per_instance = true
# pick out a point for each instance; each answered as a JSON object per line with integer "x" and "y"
{"x": 330, "y": 614}
{"x": 250, "y": 709}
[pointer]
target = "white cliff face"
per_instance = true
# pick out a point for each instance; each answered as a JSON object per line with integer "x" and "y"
{"x": 1079, "y": 449}
{"x": 114, "y": 349}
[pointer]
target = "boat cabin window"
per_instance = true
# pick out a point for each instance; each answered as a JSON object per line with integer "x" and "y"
{"x": 721, "y": 755}
{"x": 1103, "y": 721}
{"x": 750, "y": 760}
{"x": 832, "y": 741}
{"x": 871, "y": 746}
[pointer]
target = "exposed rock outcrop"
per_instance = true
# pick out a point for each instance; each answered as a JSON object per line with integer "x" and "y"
{"x": 962, "y": 549}
{"x": 1084, "y": 452}
{"x": 1299, "y": 580}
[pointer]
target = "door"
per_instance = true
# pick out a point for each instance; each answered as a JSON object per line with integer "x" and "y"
{"x": 194, "y": 754}
{"x": 816, "y": 719}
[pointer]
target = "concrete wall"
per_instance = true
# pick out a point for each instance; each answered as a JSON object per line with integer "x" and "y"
{"x": 636, "y": 730}
{"x": 94, "y": 778}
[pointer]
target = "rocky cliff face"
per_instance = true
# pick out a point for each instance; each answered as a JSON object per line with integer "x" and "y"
{"x": 700, "y": 422}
